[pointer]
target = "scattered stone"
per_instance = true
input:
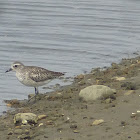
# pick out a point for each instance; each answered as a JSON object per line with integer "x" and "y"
{"x": 24, "y": 136}
{"x": 73, "y": 126}
{"x": 95, "y": 92}
{"x": 46, "y": 137}
{"x": 129, "y": 86}
{"x": 25, "y": 127}
{"x": 50, "y": 122}
{"x": 81, "y": 76}
{"x": 41, "y": 124}
{"x": 13, "y": 102}
{"x": 113, "y": 105}
{"x": 123, "y": 123}
{"x": 75, "y": 131}
{"x": 108, "y": 101}
{"x": 25, "y": 118}
{"x": 129, "y": 92}
{"x": 18, "y": 131}
{"x": 58, "y": 95}
{"x": 135, "y": 115}
{"x": 18, "y": 126}
{"x": 114, "y": 66}
{"x": 82, "y": 82}
{"x": 60, "y": 130}
{"x": 97, "y": 122}
{"x": 119, "y": 78}
{"x": 10, "y": 132}
{"x": 27, "y": 132}
{"x": 40, "y": 117}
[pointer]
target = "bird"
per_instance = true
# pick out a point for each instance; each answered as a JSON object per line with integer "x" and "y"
{"x": 33, "y": 76}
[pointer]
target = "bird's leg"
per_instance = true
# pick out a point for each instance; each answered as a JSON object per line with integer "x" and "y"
{"x": 36, "y": 93}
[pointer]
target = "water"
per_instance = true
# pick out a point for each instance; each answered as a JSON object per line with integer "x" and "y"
{"x": 67, "y": 36}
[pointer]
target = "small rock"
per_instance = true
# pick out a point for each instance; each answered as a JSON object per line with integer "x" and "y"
{"x": 82, "y": 82}
{"x": 24, "y": 127}
{"x": 135, "y": 115}
{"x": 114, "y": 66}
{"x": 123, "y": 123}
{"x": 107, "y": 101}
{"x": 10, "y": 133}
{"x": 24, "y": 118}
{"x": 24, "y": 136}
{"x": 50, "y": 122}
{"x": 119, "y": 78}
{"x": 75, "y": 131}
{"x": 60, "y": 130}
{"x": 13, "y": 102}
{"x": 97, "y": 122}
{"x": 58, "y": 95}
{"x": 73, "y": 126}
{"x": 40, "y": 117}
{"x": 129, "y": 92}
{"x": 81, "y": 76}
{"x": 18, "y": 131}
{"x": 41, "y": 124}
{"x": 129, "y": 86}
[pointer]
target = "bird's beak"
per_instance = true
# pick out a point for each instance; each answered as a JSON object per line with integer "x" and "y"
{"x": 9, "y": 70}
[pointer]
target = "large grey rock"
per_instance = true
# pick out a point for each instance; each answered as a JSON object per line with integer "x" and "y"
{"x": 95, "y": 92}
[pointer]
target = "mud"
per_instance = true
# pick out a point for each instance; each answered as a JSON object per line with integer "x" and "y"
{"x": 70, "y": 118}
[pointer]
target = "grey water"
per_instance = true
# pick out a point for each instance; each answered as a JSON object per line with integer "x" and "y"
{"x": 67, "y": 36}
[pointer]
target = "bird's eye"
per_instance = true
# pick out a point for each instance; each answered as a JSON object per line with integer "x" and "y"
{"x": 16, "y": 66}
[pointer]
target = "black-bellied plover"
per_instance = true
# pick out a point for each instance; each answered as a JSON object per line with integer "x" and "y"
{"x": 33, "y": 76}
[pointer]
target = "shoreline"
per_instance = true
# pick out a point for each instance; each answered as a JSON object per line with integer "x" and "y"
{"x": 68, "y": 117}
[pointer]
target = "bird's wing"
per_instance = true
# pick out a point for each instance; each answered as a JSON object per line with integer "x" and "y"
{"x": 38, "y": 74}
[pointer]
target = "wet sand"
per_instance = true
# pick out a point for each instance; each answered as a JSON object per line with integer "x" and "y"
{"x": 70, "y": 118}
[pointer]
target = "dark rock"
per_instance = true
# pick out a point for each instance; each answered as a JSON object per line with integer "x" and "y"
{"x": 24, "y": 136}
{"x": 73, "y": 126}
{"x": 129, "y": 86}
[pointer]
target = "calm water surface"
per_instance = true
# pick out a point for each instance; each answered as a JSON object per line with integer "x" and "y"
{"x": 67, "y": 36}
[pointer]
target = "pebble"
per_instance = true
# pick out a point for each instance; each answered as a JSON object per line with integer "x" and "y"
{"x": 18, "y": 131}
{"x": 40, "y": 117}
{"x": 75, "y": 131}
{"x": 119, "y": 78}
{"x": 73, "y": 126}
{"x": 97, "y": 122}
{"x": 10, "y": 133}
{"x": 107, "y": 101}
{"x": 81, "y": 76}
{"x": 24, "y": 136}
{"x": 41, "y": 124}
{"x": 49, "y": 122}
{"x": 129, "y": 92}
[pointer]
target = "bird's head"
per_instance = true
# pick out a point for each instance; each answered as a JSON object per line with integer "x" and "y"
{"x": 16, "y": 66}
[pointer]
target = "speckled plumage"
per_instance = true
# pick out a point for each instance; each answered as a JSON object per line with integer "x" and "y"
{"x": 32, "y": 75}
